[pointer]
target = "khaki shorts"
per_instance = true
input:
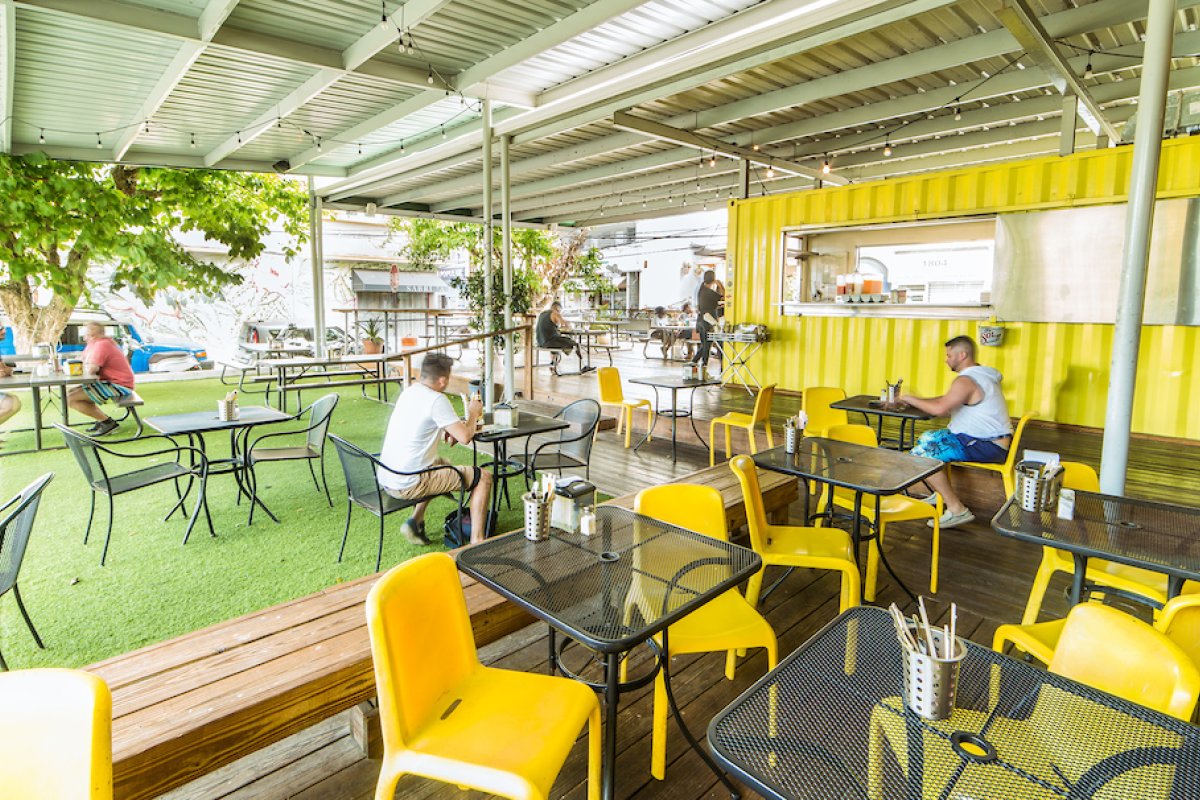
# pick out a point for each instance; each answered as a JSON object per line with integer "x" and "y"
{"x": 440, "y": 481}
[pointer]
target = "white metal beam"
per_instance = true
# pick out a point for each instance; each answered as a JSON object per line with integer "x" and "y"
{"x": 354, "y": 56}
{"x": 410, "y": 214}
{"x": 1026, "y": 28}
{"x": 8, "y": 60}
{"x": 207, "y": 24}
{"x": 628, "y": 122}
{"x": 139, "y": 158}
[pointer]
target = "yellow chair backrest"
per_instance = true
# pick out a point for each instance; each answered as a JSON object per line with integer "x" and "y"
{"x": 610, "y": 385}
{"x": 687, "y": 505}
{"x": 1180, "y": 621}
{"x": 1116, "y": 653}
{"x": 815, "y": 403}
{"x": 1014, "y": 449}
{"x": 421, "y": 642}
{"x": 55, "y": 735}
{"x": 762, "y": 404}
{"x": 854, "y": 434}
{"x": 756, "y": 517}
{"x": 1077, "y": 475}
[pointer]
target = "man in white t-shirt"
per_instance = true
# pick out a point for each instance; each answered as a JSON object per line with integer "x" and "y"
{"x": 422, "y": 415}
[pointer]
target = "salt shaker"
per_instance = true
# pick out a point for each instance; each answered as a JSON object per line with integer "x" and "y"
{"x": 587, "y": 521}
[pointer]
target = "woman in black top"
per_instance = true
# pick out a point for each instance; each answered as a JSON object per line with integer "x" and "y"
{"x": 710, "y": 302}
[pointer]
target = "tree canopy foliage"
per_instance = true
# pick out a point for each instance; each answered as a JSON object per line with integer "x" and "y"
{"x": 58, "y": 218}
{"x": 542, "y": 261}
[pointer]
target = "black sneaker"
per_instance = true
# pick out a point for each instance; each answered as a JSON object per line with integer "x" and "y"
{"x": 105, "y": 427}
{"x": 414, "y": 532}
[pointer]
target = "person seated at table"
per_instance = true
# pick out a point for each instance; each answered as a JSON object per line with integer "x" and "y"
{"x": 548, "y": 334}
{"x": 710, "y": 302}
{"x": 422, "y": 412}
{"x": 103, "y": 359}
{"x": 9, "y": 404}
{"x": 687, "y": 316}
{"x": 980, "y": 428}
{"x": 658, "y": 330}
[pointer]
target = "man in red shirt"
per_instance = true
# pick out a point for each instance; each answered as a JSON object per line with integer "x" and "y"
{"x": 103, "y": 359}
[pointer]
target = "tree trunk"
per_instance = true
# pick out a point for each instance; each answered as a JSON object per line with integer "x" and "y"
{"x": 33, "y": 324}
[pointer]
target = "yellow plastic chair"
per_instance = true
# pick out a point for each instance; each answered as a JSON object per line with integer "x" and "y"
{"x": 1179, "y": 620}
{"x": 793, "y": 545}
{"x": 1014, "y": 453}
{"x": 893, "y": 508}
{"x": 815, "y": 403}
{"x": 747, "y": 422}
{"x": 1141, "y": 582}
{"x": 612, "y": 393}
{"x": 55, "y": 735}
{"x": 725, "y": 623}
{"x": 447, "y": 717}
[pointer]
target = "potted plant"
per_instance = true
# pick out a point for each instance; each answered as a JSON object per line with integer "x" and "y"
{"x": 372, "y": 340}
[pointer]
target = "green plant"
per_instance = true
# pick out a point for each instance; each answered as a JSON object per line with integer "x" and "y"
{"x": 372, "y": 331}
{"x": 472, "y": 289}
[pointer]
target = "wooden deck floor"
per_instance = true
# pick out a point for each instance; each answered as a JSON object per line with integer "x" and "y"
{"x": 987, "y": 575}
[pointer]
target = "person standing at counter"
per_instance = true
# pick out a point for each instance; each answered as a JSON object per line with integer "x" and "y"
{"x": 980, "y": 427}
{"x": 710, "y": 302}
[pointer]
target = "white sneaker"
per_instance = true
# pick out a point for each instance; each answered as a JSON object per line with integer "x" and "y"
{"x": 950, "y": 520}
{"x": 931, "y": 500}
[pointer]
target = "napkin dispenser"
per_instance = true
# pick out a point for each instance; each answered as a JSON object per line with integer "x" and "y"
{"x": 571, "y": 496}
{"x": 505, "y": 415}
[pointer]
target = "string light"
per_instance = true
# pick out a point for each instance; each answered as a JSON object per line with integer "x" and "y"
{"x": 770, "y": 171}
{"x": 1087, "y": 71}
{"x": 957, "y": 114}
{"x": 887, "y": 148}
{"x": 99, "y": 144}
{"x": 317, "y": 139}
{"x": 383, "y": 19}
{"x": 712, "y": 162}
{"x": 429, "y": 78}
{"x": 443, "y": 133}
{"x": 146, "y": 126}
{"x": 401, "y": 147}
{"x": 826, "y": 168}
{"x": 193, "y": 142}
{"x": 239, "y": 137}
{"x": 755, "y": 147}
{"x": 42, "y": 136}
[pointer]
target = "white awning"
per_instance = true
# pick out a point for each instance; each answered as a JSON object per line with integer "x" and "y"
{"x": 380, "y": 280}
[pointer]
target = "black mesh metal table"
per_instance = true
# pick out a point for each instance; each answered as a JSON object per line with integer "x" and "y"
{"x": 1159, "y": 537}
{"x": 503, "y": 468}
{"x": 194, "y": 424}
{"x": 830, "y": 722}
{"x": 864, "y": 470}
{"x": 674, "y": 384}
{"x": 611, "y": 591}
{"x": 870, "y": 407}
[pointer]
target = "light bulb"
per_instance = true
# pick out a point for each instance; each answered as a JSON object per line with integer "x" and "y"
{"x": 443, "y": 133}
{"x": 1087, "y": 71}
{"x": 957, "y": 114}
{"x": 318, "y": 140}
{"x": 401, "y": 148}
{"x": 770, "y": 171}
{"x": 755, "y": 147}
{"x": 42, "y": 137}
{"x": 825, "y": 168}
{"x": 712, "y": 162}
{"x": 429, "y": 78}
{"x": 193, "y": 142}
{"x": 887, "y": 149}
{"x": 99, "y": 144}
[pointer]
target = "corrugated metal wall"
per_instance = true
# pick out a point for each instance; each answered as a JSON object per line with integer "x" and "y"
{"x": 1057, "y": 369}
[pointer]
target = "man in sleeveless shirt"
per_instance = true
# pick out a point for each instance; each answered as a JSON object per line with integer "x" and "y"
{"x": 547, "y": 333}
{"x": 980, "y": 427}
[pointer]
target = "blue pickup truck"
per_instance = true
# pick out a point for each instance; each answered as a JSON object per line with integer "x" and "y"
{"x": 146, "y": 354}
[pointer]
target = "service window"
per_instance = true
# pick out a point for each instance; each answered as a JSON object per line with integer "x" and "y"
{"x": 792, "y": 277}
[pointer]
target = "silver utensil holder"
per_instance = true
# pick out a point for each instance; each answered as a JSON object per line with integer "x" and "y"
{"x": 930, "y": 682}
{"x": 791, "y": 435}
{"x": 1034, "y": 491}
{"x": 537, "y": 516}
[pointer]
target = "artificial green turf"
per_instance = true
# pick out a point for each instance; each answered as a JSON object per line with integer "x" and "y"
{"x": 155, "y": 588}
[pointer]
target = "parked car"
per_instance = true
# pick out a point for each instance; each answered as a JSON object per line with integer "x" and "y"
{"x": 146, "y": 352}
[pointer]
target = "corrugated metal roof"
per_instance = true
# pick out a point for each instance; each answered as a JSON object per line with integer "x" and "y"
{"x": 107, "y": 67}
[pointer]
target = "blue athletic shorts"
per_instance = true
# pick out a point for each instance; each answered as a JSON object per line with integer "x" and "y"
{"x": 946, "y": 446}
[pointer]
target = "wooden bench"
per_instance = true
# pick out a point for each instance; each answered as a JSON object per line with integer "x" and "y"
{"x": 184, "y": 707}
{"x": 779, "y": 491}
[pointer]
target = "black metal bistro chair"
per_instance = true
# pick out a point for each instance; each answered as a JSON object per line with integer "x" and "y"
{"x": 363, "y": 489}
{"x": 101, "y": 480}
{"x": 14, "y": 536}
{"x": 572, "y": 448}
{"x": 319, "y": 415}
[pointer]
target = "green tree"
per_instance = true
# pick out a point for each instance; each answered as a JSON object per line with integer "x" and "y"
{"x": 57, "y": 218}
{"x": 542, "y": 261}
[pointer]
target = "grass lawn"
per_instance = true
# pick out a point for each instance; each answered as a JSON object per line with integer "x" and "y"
{"x": 154, "y": 588}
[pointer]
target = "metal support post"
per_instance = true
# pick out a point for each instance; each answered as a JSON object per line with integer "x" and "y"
{"x": 510, "y": 380}
{"x": 743, "y": 179}
{"x": 317, "y": 259}
{"x": 1070, "y": 119}
{"x": 488, "y": 323}
{"x": 1143, "y": 183}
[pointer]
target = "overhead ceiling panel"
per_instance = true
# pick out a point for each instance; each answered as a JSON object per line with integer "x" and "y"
{"x": 74, "y": 81}
{"x": 334, "y": 25}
